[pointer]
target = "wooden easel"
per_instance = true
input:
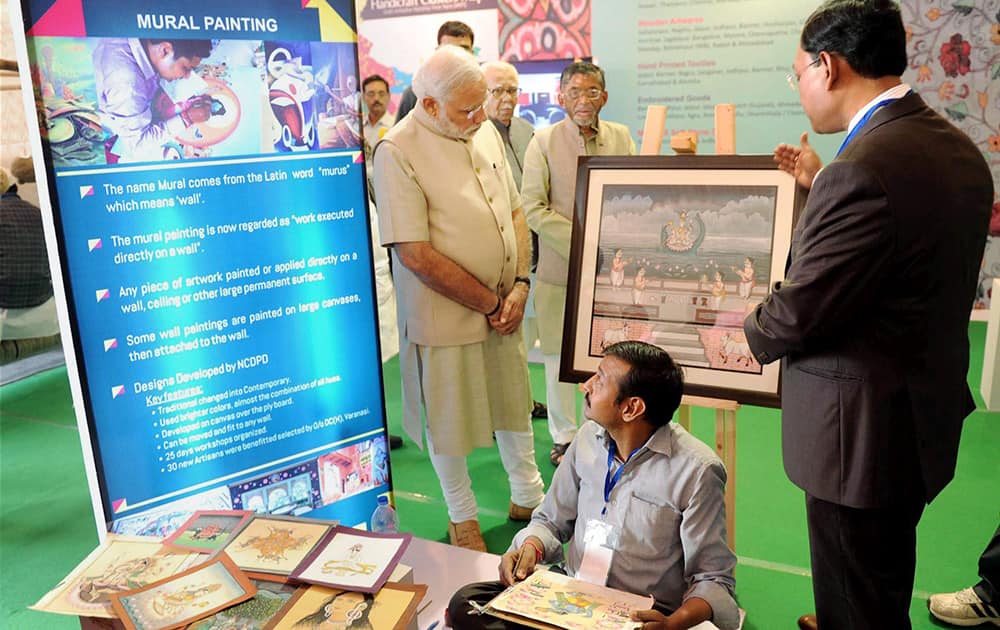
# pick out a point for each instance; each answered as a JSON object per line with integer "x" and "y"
{"x": 725, "y": 447}
{"x": 725, "y": 410}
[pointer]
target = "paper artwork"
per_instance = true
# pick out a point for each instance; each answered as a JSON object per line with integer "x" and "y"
{"x": 552, "y": 600}
{"x": 275, "y": 545}
{"x": 186, "y": 597}
{"x": 121, "y": 564}
{"x": 353, "y": 559}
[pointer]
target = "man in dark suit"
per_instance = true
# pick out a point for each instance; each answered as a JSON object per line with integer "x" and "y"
{"x": 871, "y": 321}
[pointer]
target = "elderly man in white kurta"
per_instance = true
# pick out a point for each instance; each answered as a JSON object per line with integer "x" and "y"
{"x": 548, "y": 188}
{"x": 450, "y": 211}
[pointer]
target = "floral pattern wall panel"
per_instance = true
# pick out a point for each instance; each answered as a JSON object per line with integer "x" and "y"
{"x": 954, "y": 53}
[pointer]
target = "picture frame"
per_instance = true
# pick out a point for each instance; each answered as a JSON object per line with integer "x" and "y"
{"x": 208, "y": 531}
{"x": 186, "y": 597}
{"x": 391, "y": 608}
{"x": 676, "y": 251}
{"x": 353, "y": 559}
{"x": 276, "y": 544}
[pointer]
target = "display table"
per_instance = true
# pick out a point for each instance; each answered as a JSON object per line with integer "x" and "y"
{"x": 445, "y": 569}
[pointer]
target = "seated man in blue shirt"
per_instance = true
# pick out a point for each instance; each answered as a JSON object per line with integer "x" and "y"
{"x": 638, "y": 485}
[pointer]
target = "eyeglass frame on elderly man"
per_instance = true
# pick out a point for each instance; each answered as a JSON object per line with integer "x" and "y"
{"x": 793, "y": 79}
{"x": 591, "y": 94}
{"x": 501, "y": 91}
{"x": 470, "y": 114}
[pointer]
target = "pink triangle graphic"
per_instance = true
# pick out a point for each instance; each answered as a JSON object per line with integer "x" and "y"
{"x": 63, "y": 19}
{"x": 359, "y": 157}
{"x": 118, "y": 505}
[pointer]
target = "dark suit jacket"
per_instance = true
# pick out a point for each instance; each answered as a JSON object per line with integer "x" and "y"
{"x": 519, "y": 133}
{"x": 871, "y": 322}
{"x": 406, "y": 102}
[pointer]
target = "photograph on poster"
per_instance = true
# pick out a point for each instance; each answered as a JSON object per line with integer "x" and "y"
{"x": 339, "y": 117}
{"x": 319, "y": 607}
{"x": 185, "y": 597}
{"x": 675, "y": 251}
{"x": 353, "y": 559}
{"x": 120, "y": 564}
{"x": 274, "y": 544}
{"x": 164, "y": 519}
{"x": 106, "y": 102}
{"x": 353, "y": 469}
{"x": 208, "y": 531}
{"x": 292, "y": 95}
{"x": 293, "y": 490}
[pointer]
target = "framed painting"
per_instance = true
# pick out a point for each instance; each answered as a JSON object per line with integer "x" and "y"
{"x": 676, "y": 251}
{"x": 207, "y": 531}
{"x": 317, "y": 607}
{"x": 179, "y": 600}
{"x": 353, "y": 559}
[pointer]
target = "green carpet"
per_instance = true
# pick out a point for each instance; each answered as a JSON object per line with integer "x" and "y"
{"x": 47, "y": 523}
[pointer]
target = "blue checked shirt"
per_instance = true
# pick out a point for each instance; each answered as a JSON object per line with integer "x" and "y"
{"x": 669, "y": 508}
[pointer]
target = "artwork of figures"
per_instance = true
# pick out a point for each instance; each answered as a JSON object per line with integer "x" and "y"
{"x": 177, "y": 601}
{"x": 353, "y": 559}
{"x": 553, "y": 600}
{"x": 319, "y": 608}
{"x": 253, "y": 614}
{"x": 685, "y": 259}
{"x": 207, "y": 531}
{"x": 682, "y": 255}
{"x": 121, "y": 564}
{"x": 272, "y": 544}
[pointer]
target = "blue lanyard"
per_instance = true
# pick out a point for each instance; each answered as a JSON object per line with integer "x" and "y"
{"x": 610, "y": 481}
{"x": 865, "y": 119}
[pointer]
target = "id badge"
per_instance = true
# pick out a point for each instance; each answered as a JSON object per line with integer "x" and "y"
{"x": 600, "y": 539}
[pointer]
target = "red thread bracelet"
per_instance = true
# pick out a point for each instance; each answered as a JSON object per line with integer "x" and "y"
{"x": 539, "y": 554}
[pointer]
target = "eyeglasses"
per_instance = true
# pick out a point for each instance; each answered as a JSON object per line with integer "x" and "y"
{"x": 499, "y": 92}
{"x": 591, "y": 94}
{"x": 471, "y": 113}
{"x": 793, "y": 79}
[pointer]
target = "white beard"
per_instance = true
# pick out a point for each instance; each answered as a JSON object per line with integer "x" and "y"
{"x": 450, "y": 129}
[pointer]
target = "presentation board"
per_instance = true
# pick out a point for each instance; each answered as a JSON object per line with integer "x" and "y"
{"x": 209, "y": 229}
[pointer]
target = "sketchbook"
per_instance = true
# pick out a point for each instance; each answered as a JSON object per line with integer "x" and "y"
{"x": 552, "y": 601}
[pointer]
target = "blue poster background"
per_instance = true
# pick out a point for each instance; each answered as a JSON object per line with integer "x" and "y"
{"x": 222, "y": 302}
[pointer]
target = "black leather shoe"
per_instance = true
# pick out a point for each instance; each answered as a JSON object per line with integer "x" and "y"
{"x": 807, "y": 622}
{"x": 395, "y": 442}
{"x": 539, "y": 410}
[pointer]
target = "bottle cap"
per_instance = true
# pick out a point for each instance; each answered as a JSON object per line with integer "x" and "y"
{"x": 383, "y": 500}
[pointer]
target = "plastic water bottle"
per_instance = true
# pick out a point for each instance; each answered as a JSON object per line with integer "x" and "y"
{"x": 384, "y": 518}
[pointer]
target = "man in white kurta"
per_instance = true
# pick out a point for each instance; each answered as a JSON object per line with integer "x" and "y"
{"x": 548, "y": 188}
{"x": 450, "y": 211}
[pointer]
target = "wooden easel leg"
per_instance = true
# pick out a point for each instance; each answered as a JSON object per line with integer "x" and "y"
{"x": 684, "y": 417}
{"x": 725, "y": 446}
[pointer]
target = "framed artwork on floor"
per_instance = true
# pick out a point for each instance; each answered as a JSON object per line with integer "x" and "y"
{"x": 676, "y": 251}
